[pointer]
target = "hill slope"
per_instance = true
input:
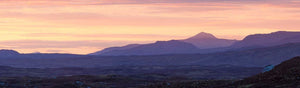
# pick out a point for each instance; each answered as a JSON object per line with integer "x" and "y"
{"x": 111, "y": 49}
{"x": 255, "y": 57}
{"x": 4, "y": 52}
{"x": 266, "y": 40}
{"x": 203, "y": 41}
{"x": 160, "y": 47}
{"x": 284, "y": 75}
{"x": 206, "y": 41}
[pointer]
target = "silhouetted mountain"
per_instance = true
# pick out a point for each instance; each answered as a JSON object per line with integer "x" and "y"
{"x": 284, "y": 75}
{"x": 265, "y": 40}
{"x": 202, "y": 40}
{"x": 253, "y": 58}
{"x": 160, "y": 47}
{"x": 203, "y": 35}
{"x": 205, "y": 41}
{"x": 8, "y": 53}
{"x": 110, "y": 49}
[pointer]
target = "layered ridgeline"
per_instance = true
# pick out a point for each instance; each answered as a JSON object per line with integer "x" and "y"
{"x": 169, "y": 54}
{"x": 194, "y": 44}
{"x": 157, "y": 48}
{"x": 266, "y": 40}
{"x": 203, "y": 43}
{"x": 253, "y": 57}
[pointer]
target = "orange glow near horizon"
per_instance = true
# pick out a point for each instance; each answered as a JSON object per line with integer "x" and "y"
{"x": 81, "y": 27}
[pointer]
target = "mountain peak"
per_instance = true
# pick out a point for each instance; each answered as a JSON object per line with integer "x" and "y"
{"x": 5, "y": 52}
{"x": 204, "y": 35}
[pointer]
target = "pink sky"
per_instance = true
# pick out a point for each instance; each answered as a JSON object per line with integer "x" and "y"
{"x": 86, "y": 26}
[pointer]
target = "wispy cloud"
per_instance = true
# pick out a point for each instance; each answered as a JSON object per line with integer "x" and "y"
{"x": 27, "y": 44}
{"x": 115, "y": 2}
{"x": 142, "y": 36}
{"x": 91, "y": 25}
{"x": 79, "y": 47}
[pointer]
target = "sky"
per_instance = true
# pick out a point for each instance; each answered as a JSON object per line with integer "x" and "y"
{"x": 86, "y": 26}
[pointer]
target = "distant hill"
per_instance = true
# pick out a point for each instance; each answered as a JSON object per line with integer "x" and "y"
{"x": 8, "y": 53}
{"x": 284, "y": 75}
{"x": 111, "y": 49}
{"x": 252, "y": 58}
{"x": 193, "y": 44}
{"x": 157, "y": 48}
{"x": 265, "y": 40}
{"x": 206, "y": 41}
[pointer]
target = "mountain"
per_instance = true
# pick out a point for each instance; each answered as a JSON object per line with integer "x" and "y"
{"x": 259, "y": 56}
{"x": 265, "y": 40}
{"x": 284, "y": 75}
{"x": 8, "y": 52}
{"x": 193, "y": 44}
{"x": 250, "y": 58}
{"x": 205, "y": 41}
{"x": 157, "y": 48}
{"x": 115, "y": 49}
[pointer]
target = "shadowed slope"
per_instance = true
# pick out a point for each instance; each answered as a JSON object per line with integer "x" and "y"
{"x": 284, "y": 75}
{"x": 187, "y": 46}
{"x": 8, "y": 53}
{"x": 265, "y": 40}
{"x": 160, "y": 47}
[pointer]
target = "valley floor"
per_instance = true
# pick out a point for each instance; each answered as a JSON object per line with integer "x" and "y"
{"x": 123, "y": 77}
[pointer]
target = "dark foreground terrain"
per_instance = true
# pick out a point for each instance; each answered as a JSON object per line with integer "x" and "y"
{"x": 189, "y": 72}
{"x": 120, "y": 77}
{"x": 284, "y": 75}
{"x": 108, "y": 81}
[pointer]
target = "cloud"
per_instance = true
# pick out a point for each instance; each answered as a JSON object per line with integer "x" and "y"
{"x": 30, "y": 44}
{"x": 141, "y": 36}
{"x": 90, "y": 25}
{"x": 114, "y": 2}
{"x": 75, "y": 47}
{"x": 104, "y": 2}
{"x": 56, "y": 51}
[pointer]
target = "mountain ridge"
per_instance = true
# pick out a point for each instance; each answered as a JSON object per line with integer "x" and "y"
{"x": 271, "y": 39}
{"x": 247, "y": 58}
{"x": 207, "y": 41}
{"x": 200, "y": 41}
{"x": 159, "y": 47}
{"x": 6, "y": 52}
